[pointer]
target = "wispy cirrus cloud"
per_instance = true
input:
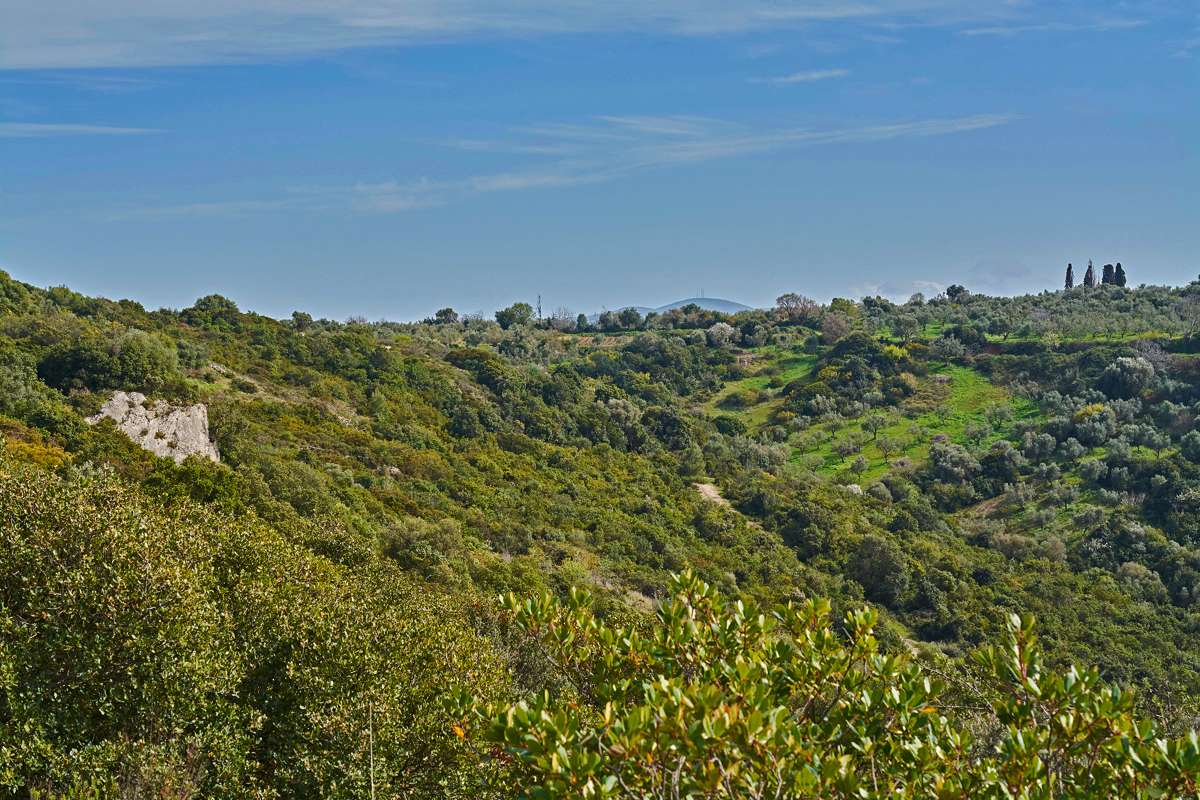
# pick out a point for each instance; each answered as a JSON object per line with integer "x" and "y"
{"x": 70, "y": 34}
{"x": 602, "y": 149}
{"x": 30, "y": 130}
{"x": 1094, "y": 26}
{"x": 1187, "y": 47}
{"x": 215, "y": 208}
{"x": 680, "y": 125}
{"x": 103, "y": 81}
{"x": 392, "y": 196}
{"x": 806, "y": 76}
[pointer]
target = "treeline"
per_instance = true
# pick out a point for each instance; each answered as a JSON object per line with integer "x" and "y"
{"x": 1111, "y": 275}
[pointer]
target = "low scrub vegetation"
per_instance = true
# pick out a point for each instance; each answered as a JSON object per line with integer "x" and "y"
{"x": 314, "y": 615}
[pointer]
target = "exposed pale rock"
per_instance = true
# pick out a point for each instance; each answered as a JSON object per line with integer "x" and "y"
{"x": 165, "y": 430}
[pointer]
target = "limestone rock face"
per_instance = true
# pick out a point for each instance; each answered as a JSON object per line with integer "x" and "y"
{"x": 165, "y": 430}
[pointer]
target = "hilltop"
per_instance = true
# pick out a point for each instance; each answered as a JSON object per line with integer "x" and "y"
{"x": 705, "y": 303}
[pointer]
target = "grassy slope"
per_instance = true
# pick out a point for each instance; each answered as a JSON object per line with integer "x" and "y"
{"x": 949, "y": 409}
{"x": 775, "y": 367}
{"x": 946, "y": 409}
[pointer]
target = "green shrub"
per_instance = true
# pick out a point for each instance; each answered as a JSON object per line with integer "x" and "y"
{"x": 180, "y": 652}
{"x": 722, "y": 700}
{"x": 132, "y": 361}
{"x": 730, "y": 426}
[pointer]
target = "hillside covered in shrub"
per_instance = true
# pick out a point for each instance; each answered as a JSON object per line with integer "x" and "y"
{"x": 315, "y": 615}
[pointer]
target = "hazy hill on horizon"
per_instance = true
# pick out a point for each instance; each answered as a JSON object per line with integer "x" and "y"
{"x": 707, "y": 303}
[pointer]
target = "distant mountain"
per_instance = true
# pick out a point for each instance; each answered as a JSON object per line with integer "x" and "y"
{"x": 707, "y": 303}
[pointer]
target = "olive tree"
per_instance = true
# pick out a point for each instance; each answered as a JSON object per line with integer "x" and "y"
{"x": 798, "y": 308}
{"x": 516, "y": 314}
{"x": 1127, "y": 377}
{"x": 882, "y": 569}
{"x": 721, "y": 334}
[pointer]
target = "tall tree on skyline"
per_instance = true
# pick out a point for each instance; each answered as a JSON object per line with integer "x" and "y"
{"x": 1089, "y": 277}
{"x": 1119, "y": 279}
{"x": 1070, "y": 282}
{"x": 1107, "y": 277}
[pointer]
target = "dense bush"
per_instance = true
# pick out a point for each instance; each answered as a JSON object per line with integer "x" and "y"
{"x": 724, "y": 700}
{"x": 133, "y": 360}
{"x": 187, "y": 653}
{"x": 880, "y": 566}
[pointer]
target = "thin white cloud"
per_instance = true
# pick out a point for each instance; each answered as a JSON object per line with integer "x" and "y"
{"x": 603, "y": 149}
{"x": 676, "y": 125}
{"x": 1187, "y": 47}
{"x": 518, "y": 181}
{"x": 931, "y": 288}
{"x": 1096, "y": 26}
{"x": 29, "y": 130}
{"x": 867, "y": 290}
{"x": 721, "y": 144}
{"x": 485, "y": 146}
{"x": 387, "y": 196}
{"x": 808, "y": 76}
{"x": 71, "y": 34}
{"x": 85, "y": 81}
{"x": 218, "y": 208}
{"x": 761, "y": 50}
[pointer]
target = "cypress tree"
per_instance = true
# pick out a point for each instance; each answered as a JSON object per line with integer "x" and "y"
{"x": 1089, "y": 277}
{"x": 1070, "y": 282}
{"x": 1108, "y": 275}
{"x": 1119, "y": 279}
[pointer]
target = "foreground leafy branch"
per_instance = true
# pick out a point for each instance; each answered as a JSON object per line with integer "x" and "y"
{"x": 721, "y": 700}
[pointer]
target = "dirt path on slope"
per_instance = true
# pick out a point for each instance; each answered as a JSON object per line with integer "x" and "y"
{"x": 710, "y": 492}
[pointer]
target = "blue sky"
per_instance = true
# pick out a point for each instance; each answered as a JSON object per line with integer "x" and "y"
{"x": 384, "y": 158}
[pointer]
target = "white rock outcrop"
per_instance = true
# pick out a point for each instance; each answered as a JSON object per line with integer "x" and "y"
{"x": 165, "y": 430}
